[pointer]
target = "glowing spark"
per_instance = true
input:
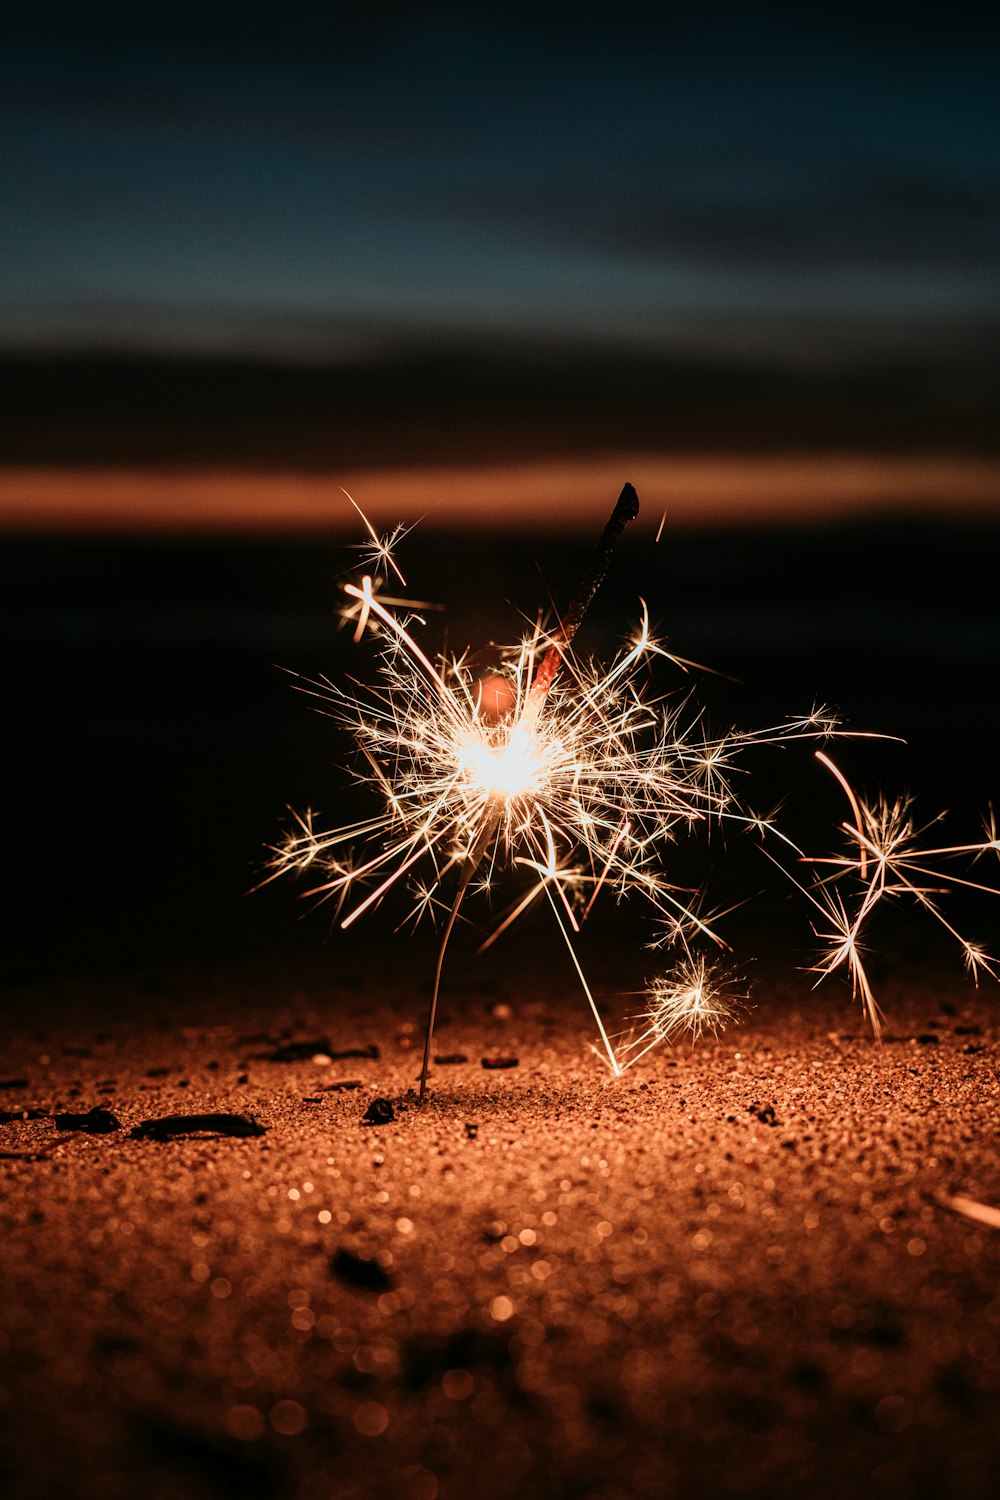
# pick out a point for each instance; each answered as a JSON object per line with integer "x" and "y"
{"x": 379, "y": 548}
{"x": 890, "y": 863}
{"x": 691, "y": 999}
{"x": 845, "y": 784}
{"x": 971, "y": 1208}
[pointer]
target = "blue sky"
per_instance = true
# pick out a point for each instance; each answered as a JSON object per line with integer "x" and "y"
{"x": 284, "y": 181}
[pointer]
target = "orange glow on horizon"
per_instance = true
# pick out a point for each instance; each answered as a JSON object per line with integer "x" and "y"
{"x": 694, "y": 490}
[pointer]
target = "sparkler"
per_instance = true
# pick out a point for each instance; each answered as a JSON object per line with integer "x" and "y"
{"x": 569, "y": 775}
{"x": 576, "y": 783}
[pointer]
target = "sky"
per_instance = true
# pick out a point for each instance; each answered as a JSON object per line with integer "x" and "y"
{"x": 315, "y": 182}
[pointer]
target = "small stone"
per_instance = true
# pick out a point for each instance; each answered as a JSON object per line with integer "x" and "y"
{"x": 379, "y": 1112}
{"x": 501, "y": 1062}
{"x": 764, "y": 1112}
{"x": 360, "y": 1271}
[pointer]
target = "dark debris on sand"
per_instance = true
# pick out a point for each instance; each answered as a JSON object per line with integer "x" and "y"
{"x": 96, "y": 1121}
{"x": 379, "y": 1112}
{"x": 171, "y": 1127}
{"x": 360, "y": 1271}
{"x": 291, "y": 1052}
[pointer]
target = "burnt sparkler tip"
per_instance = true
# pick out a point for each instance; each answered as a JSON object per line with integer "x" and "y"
{"x": 628, "y": 503}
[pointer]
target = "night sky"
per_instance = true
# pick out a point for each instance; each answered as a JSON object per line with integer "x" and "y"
{"x": 315, "y": 182}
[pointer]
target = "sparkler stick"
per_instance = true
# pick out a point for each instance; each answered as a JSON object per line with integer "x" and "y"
{"x": 626, "y": 509}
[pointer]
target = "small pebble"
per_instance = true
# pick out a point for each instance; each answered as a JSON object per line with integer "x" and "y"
{"x": 360, "y": 1271}
{"x": 379, "y": 1112}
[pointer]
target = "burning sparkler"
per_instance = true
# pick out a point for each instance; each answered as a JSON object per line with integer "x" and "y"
{"x": 569, "y": 775}
{"x": 546, "y": 768}
{"x": 566, "y": 773}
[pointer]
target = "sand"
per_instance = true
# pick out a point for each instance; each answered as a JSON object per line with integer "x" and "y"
{"x": 750, "y": 1268}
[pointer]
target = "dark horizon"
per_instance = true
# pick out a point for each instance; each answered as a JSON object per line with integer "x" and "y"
{"x": 457, "y": 405}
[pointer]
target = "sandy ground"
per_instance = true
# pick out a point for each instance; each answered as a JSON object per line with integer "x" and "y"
{"x": 747, "y": 1269}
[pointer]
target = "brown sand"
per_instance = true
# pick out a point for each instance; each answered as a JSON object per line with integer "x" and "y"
{"x": 740, "y": 1270}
